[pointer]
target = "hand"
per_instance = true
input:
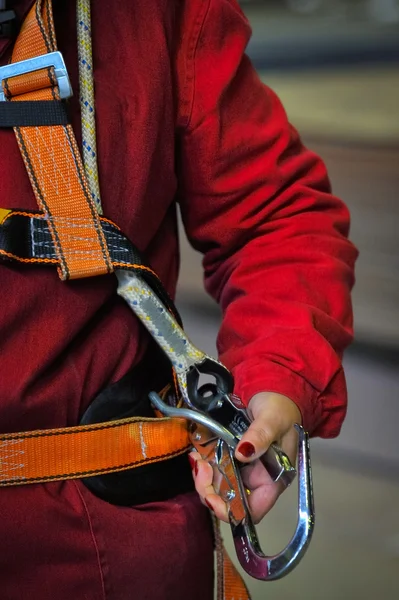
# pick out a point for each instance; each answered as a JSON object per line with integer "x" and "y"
{"x": 273, "y": 417}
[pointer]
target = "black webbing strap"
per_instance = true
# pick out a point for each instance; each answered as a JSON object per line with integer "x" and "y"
{"x": 39, "y": 113}
{"x": 25, "y": 238}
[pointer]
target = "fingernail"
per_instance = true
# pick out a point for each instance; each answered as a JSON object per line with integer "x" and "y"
{"x": 196, "y": 468}
{"x": 192, "y": 461}
{"x": 209, "y": 505}
{"x": 247, "y": 449}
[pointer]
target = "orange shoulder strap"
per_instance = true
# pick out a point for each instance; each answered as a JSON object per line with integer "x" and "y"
{"x": 52, "y": 157}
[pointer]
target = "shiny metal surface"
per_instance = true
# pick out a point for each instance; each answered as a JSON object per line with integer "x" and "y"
{"x": 216, "y": 444}
{"x": 52, "y": 59}
{"x": 196, "y": 416}
{"x": 278, "y": 465}
{"x": 275, "y": 460}
{"x": 248, "y": 550}
{"x": 229, "y": 485}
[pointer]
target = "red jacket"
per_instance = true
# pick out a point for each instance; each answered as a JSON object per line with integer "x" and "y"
{"x": 182, "y": 116}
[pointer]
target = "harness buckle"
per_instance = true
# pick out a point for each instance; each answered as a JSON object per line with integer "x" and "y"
{"x": 45, "y": 61}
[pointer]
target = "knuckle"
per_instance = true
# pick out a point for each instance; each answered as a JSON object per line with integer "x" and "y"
{"x": 262, "y": 437}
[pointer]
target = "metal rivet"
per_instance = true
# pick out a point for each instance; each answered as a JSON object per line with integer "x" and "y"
{"x": 230, "y": 495}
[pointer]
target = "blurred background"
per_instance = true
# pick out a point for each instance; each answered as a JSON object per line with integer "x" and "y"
{"x": 334, "y": 64}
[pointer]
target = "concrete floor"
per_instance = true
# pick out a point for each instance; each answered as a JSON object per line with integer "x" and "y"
{"x": 354, "y": 553}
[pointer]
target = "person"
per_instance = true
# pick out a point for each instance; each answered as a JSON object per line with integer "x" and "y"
{"x": 182, "y": 119}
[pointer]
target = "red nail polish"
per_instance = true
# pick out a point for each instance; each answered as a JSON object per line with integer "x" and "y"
{"x": 247, "y": 449}
{"x": 192, "y": 461}
{"x": 209, "y": 505}
{"x": 196, "y": 468}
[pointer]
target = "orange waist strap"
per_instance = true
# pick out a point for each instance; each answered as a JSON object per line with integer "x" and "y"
{"x": 76, "y": 452}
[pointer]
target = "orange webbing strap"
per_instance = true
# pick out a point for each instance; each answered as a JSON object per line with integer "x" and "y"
{"x": 234, "y": 587}
{"x": 230, "y": 584}
{"x": 75, "y": 452}
{"x": 53, "y": 161}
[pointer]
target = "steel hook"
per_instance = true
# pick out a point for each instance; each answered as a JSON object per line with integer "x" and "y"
{"x": 216, "y": 444}
{"x": 249, "y": 553}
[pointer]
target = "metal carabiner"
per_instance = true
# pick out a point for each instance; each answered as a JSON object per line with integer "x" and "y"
{"x": 216, "y": 444}
{"x": 249, "y": 553}
{"x": 218, "y": 422}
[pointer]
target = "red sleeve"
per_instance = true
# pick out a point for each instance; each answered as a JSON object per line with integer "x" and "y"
{"x": 258, "y": 205}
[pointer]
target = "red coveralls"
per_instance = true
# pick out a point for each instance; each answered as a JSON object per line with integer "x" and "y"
{"x": 182, "y": 116}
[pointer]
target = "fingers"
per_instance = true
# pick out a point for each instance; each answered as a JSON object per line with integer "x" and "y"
{"x": 203, "y": 478}
{"x": 257, "y": 439}
{"x": 273, "y": 417}
{"x": 261, "y": 501}
{"x": 263, "y": 491}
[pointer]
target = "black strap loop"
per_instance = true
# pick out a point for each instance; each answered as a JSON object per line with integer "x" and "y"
{"x": 30, "y": 113}
{"x": 26, "y": 237}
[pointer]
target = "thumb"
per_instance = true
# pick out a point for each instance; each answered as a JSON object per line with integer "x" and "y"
{"x": 273, "y": 416}
{"x": 257, "y": 439}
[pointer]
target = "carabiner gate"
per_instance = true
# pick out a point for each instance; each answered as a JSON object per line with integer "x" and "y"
{"x": 249, "y": 553}
{"x": 216, "y": 445}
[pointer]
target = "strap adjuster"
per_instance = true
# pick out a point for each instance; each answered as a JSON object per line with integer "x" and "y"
{"x": 52, "y": 59}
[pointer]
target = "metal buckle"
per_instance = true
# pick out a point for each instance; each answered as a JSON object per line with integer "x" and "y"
{"x": 52, "y": 59}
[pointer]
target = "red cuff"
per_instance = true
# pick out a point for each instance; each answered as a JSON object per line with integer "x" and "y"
{"x": 251, "y": 379}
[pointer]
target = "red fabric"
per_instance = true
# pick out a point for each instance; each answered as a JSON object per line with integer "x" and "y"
{"x": 181, "y": 115}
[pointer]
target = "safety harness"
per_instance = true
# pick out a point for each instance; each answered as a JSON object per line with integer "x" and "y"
{"x": 69, "y": 232}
